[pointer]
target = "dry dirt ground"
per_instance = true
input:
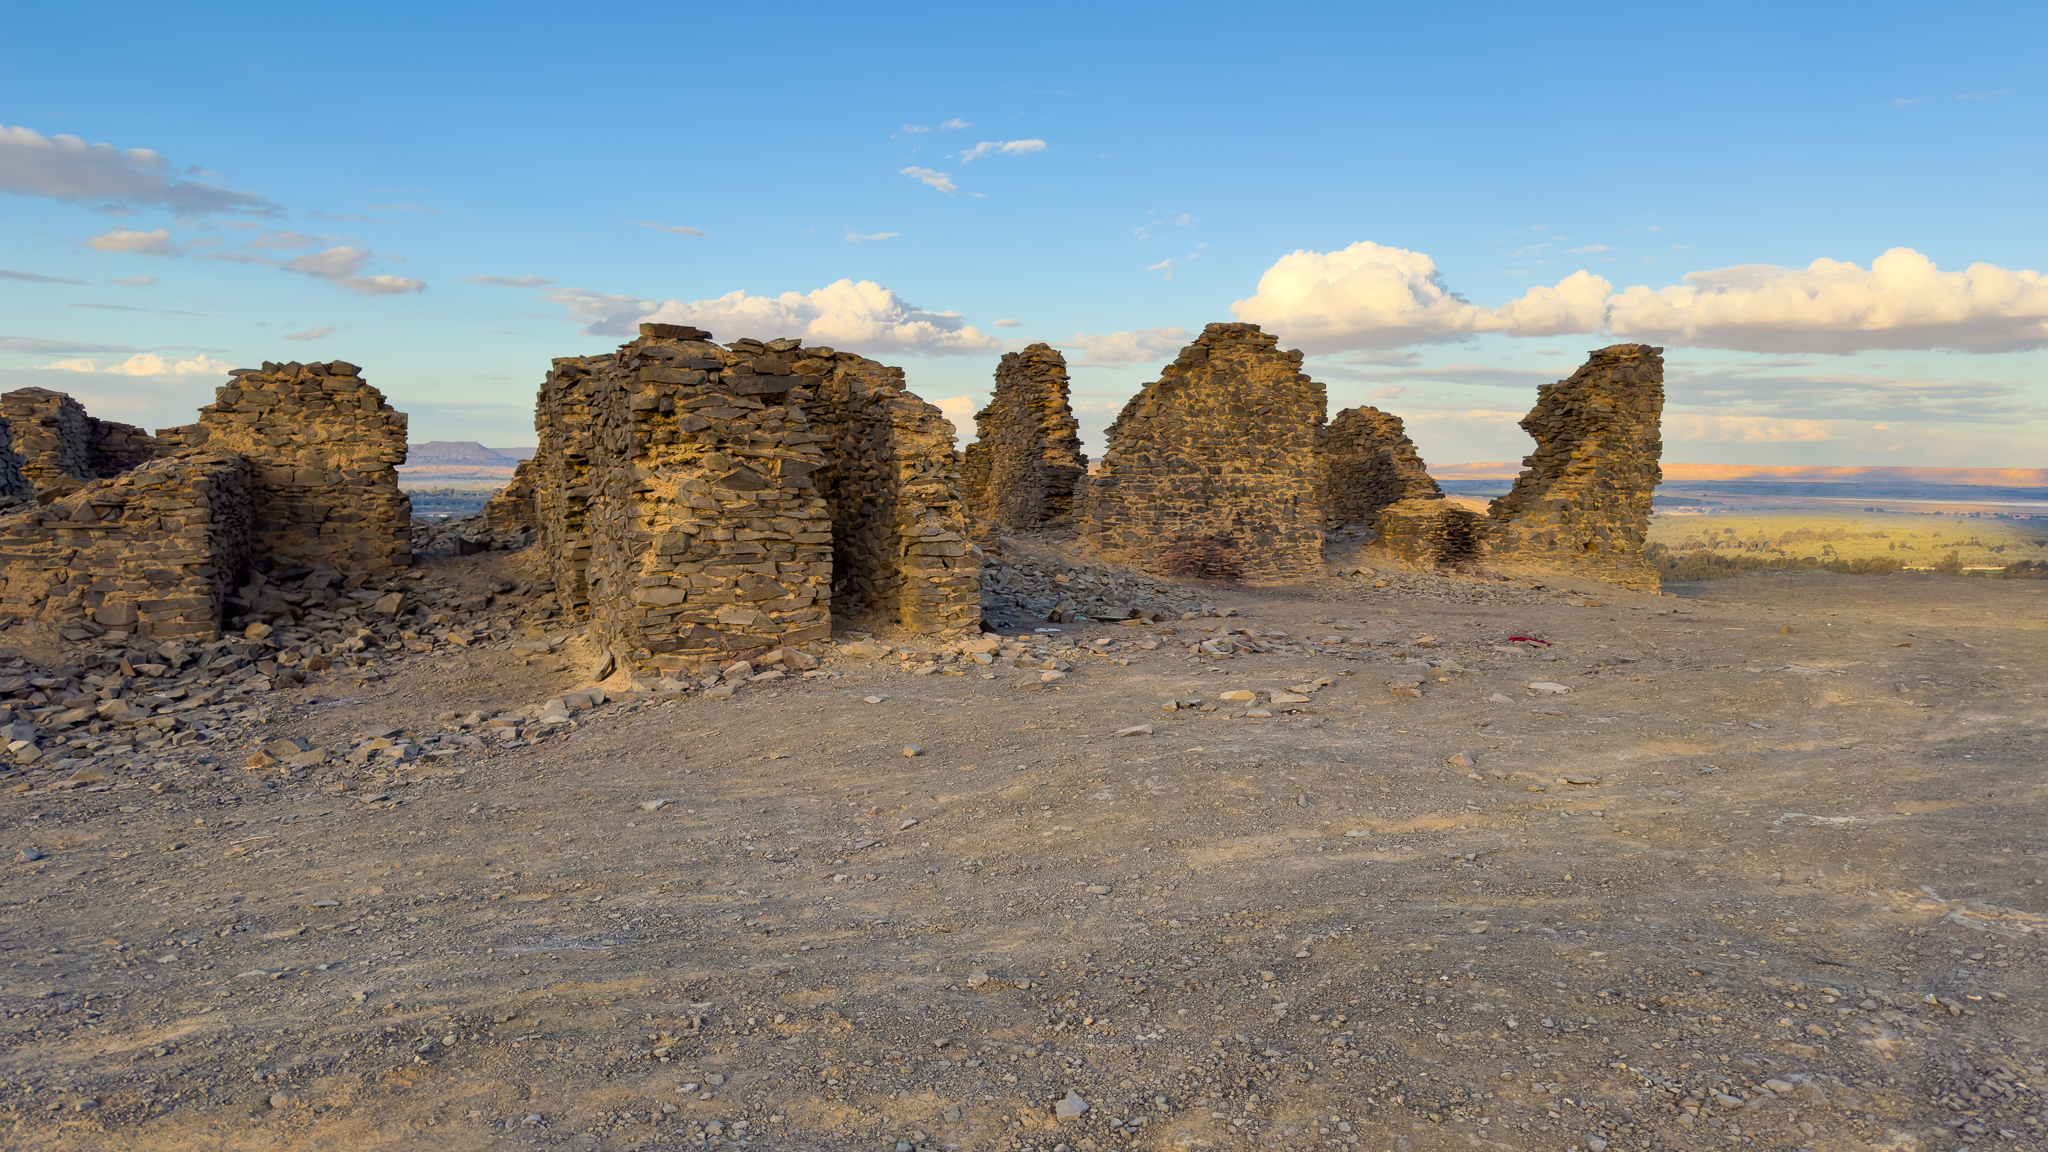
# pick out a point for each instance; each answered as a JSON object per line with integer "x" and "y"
{"x": 1792, "y": 898}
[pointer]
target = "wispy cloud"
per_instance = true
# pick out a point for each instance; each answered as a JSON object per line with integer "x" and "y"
{"x": 155, "y": 242}
{"x": 107, "y": 179}
{"x": 857, "y": 238}
{"x": 916, "y": 129}
{"x": 1983, "y": 95}
{"x": 939, "y": 180}
{"x": 343, "y": 267}
{"x": 35, "y": 277}
{"x": 57, "y": 347}
{"x": 1001, "y": 148}
{"x": 1161, "y": 264}
{"x": 1007, "y": 323}
{"x": 288, "y": 241}
{"x": 137, "y": 281}
{"x": 509, "y": 281}
{"x": 953, "y": 125}
{"x": 678, "y": 229}
{"x": 321, "y": 332}
{"x": 1589, "y": 248}
{"x": 1901, "y": 103}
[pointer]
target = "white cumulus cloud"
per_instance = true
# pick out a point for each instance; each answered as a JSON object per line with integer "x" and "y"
{"x": 959, "y": 410}
{"x": 856, "y": 238}
{"x": 110, "y": 179}
{"x": 1374, "y": 296}
{"x": 1901, "y": 301}
{"x": 860, "y": 316}
{"x": 1143, "y": 346}
{"x": 149, "y": 364}
{"x": 1001, "y": 148}
{"x": 939, "y": 180}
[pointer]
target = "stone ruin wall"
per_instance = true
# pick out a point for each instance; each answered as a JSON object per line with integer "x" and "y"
{"x": 1372, "y": 465}
{"x": 154, "y": 551}
{"x": 324, "y": 449}
{"x": 293, "y": 466}
{"x": 1584, "y": 501}
{"x": 1022, "y": 469}
{"x": 703, "y": 504}
{"x": 1215, "y": 469}
{"x": 58, "y": 440}
{"x": 15, "y": 487}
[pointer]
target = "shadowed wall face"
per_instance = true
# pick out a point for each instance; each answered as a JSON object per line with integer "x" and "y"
{"x": 1372, "y": 464}
{"x": 1217, "y": 464}
{"x": 1584, "y": 500}
{"x": 1021, "y": 470}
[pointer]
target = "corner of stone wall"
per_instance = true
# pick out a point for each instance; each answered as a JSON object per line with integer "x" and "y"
{"x": 1022, "y": 470}
{"x": 324, "y": 448}
{"x": 1218, "y": 462}
{"x": 1584, "y": 500}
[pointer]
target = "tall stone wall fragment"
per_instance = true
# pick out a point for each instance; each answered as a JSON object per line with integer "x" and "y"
{"x": 512, "y": 508}
{"x": 1583, "y": 501}
{"x": 155, "y": 551}
{"x": 1372, "y": 465}
{"x": 324, "y": 448}
{"x": 1216, "y": 468}
{"x": 1022, "y": 469}
{"x": 696, "y": 502}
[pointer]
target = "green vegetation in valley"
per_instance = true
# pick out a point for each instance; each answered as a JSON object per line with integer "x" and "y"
{"x": 1690, "y": 548}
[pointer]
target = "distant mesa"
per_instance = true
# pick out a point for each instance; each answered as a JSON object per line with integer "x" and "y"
{"x": 443, "y": 453}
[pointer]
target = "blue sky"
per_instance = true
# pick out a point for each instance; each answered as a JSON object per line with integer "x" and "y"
{"x": 1445, "y": 208}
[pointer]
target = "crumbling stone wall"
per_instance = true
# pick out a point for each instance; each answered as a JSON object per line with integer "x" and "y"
{"x": 1372, "y": 465}
{"x": 155, "y": 550}
{"x": 702, "y": 504}
{"x": 1217, "y": 464}
{"x": 1584, "y": 500}
{"x": 512, "y": 508}
{"x": 59, "y": 441}
{"x": 1026, "y": 459}
{"x": 891, "y": 483}
{"x": 1431, "y": 530}
{"x": 324, "y": 449}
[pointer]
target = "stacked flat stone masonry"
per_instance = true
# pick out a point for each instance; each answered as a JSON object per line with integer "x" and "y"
{"x": 1216, "y": 468}
{"x": 1022, "y": 469}
{"x": 14, "y": 486}
{"x": 324, "y": 449}
{"x": 1426, "y": 530}
{"x": 701, "y": 504}
{"x": 1372, "y": 465}
{"x": 154, "y": 551}
{"x": 59, "y": 441}
{"x": 1584, "y": 501}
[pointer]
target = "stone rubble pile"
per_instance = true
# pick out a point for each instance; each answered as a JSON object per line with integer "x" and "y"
{"x": 1584, "y": 501}
{"x": 1372, "y": 465}
{"x": 1063, "y": 591}
{"x": 1216, "y": 468}
{"x": 1022, "y": 469}
{"x": 703, "y": 504}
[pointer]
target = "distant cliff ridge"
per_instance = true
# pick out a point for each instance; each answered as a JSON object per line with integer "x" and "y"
{"x": 1791, "y": 473}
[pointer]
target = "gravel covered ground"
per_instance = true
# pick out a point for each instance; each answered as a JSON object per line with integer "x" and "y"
{"x": 1759, "y": 865}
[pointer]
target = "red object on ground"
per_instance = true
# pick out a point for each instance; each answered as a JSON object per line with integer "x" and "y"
{"x": 1530, "y": 639}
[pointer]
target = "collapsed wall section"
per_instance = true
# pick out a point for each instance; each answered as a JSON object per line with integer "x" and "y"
{"x": 155, "y": 551}
{"x": 1584, "y": 500}
{"x": 324, "y": 449}
{"x": 1372, "y": 465}
{"x": 892, "y": 484}
{"x": 1216, "y": 468}
{"x": 1026, "y": 459}
{"x": 59, "y": 441}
